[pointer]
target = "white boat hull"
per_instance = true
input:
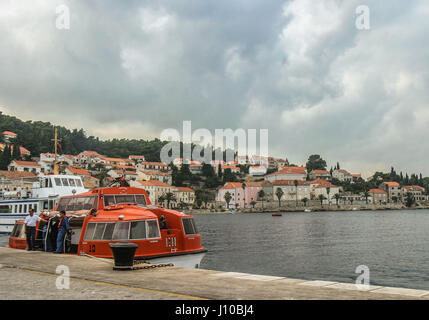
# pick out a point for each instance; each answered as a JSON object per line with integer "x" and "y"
{"x": 185, "y": 260}
{"x": 7, "y": 221}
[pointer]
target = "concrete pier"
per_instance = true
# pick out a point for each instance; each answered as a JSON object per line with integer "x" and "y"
{"x": 32, "y": 275}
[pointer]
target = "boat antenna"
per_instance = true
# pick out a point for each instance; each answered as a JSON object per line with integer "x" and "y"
{"x": 56, "y": 140}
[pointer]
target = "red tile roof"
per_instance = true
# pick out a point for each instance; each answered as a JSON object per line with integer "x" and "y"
{"x": 155, "y": 183}
{"x": 26, "y": 163}
{"x": 185, "y": 189}
{"x": 288, "y": 182}
{"x": 391, "y": 184}
{"x": 320, "y": 171}
{"x": 321, "y": 183}
{"x": 289, "y": 170}
{"x": 414, "y": 188}
{"x": 9, "y": 133}
{"x": 16, "y": 174}
{"x": 154, "y": 173}
{"x": 80, "y": 172}
{"x": 162, "y": 164}
{"x": 377, "y": 191}
{"x": 232, "y": 185}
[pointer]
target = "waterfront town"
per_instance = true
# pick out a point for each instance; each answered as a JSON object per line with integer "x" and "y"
{"x": 247, "y": 183}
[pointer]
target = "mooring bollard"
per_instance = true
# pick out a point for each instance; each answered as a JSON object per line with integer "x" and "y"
{"x": 123, "y": 254}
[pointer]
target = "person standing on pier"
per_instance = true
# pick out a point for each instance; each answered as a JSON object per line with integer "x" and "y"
{"x": 63, "y": 228}
{"x": 30, "y": 228}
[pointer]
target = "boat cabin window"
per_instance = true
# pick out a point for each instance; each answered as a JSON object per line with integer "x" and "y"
{"x": 122, "y": 231}
{"x": 47, "y": 183}
{"x": 135, "y": 230}
{"x": 108, "y": 231}
{"x": 125, "y": 198}
{"x": 99, "y": 231}
{"x": 58, "y": 182}
{"x": 77, "y": 203}
{"x": 72, "y": 183}
{"x": 152, "y": 229}
{"x": 78, "y": 183}
{"x": 138, "y": 230}
{"x": 189, "y": 226}
{"x": 65, "y": 182}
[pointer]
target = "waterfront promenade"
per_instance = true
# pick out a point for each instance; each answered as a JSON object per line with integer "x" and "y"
{"x": 32, "y": 275}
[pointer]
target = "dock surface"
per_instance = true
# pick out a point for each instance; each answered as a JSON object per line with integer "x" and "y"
{"x": 32, "y": 275}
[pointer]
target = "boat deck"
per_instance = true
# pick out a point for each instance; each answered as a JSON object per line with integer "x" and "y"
{"x": 32, "y": 275}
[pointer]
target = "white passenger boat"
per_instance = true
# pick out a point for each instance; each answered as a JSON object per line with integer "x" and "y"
{"x": 14, "y": 205}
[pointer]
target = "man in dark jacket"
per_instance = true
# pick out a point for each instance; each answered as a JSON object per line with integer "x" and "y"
{"x": 63, "y": 228}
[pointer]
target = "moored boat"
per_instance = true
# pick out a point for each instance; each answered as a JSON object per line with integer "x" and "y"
{"x": 44, "y": 195}
{"x": 119, "y": 214}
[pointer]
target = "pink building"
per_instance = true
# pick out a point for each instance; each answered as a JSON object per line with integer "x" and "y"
{"x": 239, "y": 196}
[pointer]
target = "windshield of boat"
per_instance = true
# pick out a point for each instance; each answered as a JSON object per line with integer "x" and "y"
{"x": 113, "y": 199}
{"x": 77, "y": 203}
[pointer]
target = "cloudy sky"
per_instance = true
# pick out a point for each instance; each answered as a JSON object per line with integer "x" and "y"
{"x": 300, "y": 68}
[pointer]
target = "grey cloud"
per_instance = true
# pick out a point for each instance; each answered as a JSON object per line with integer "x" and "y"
{"x": 319, "y": 85}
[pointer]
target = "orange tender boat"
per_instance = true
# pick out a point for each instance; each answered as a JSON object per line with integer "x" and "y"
{"x": 119, "y": 214}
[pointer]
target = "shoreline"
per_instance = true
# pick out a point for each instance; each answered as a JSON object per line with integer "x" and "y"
{"x": 291, "y": 210}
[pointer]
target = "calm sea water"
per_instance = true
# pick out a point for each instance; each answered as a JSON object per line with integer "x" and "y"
{"x": 320, "y": 246}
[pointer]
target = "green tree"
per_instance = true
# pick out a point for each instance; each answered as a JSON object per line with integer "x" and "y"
{"x": 207, "y": 170}
{"x": 261, "y": 196}
{"x": 253, "y": 203}
{"x": 321, "y": 198}
{"x": 5, "y": 158}
{"x": 366, "y": 195}
{"x": 16, "y": 152}
{"x": 315, "y": 162}
{"x": 161, "y": 200}
{"x": 337, "y": 197}
{"x": 279, "y": 194}
{"x": 227, "y": 198}
{"x": 409, "y": 199}
{"x": 169, "y": 196}
{"x": 328, "y": 191}
{"x": 305, "y": 200}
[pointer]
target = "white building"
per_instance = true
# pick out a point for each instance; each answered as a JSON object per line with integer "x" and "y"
{"x": 288, "y": 173}
{"x": 342, "y": 175}
{"x": 24, "y": 166}
{"x": 257, "y": 170}
{"x": 290, "y": 191}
